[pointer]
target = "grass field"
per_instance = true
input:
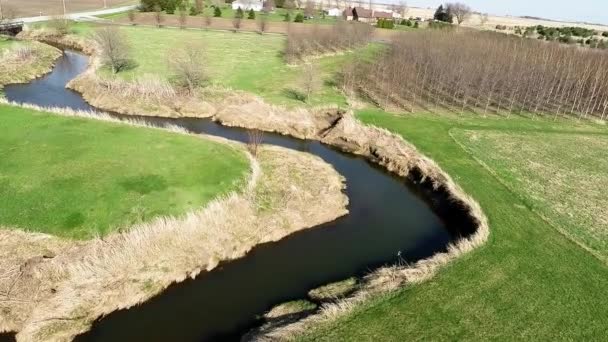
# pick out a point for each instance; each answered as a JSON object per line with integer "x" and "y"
{"x": 76, "y": 177}
{"x": 529, "y": 282}
{"x": 242, "y": 61}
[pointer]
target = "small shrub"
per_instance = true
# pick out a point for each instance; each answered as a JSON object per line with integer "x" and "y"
{"x": 194, "y": 11}
{"x": 416, "y": 25}
{"x": 217, "y": 12}
{"x": 287, "y": 17}
{"x": 299, "y": 18}
{"x": 605, "y": 34}
{"x": 251, "y": 14}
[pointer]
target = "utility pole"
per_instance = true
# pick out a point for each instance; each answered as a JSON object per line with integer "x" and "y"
{"x": 64, "y": 11}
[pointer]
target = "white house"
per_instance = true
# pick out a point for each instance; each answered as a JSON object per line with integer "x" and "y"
{"x": 246, "y": 5}
{"x": 334, "y": 12}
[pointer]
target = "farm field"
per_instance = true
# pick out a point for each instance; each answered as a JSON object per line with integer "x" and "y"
{"x": 242, "y": 61}
{"x": 79, "y": 178}
{"x": 31, "y": 8}
{"x": 529, "y": 281}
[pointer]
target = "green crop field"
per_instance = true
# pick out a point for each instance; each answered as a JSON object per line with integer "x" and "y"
{"x": 529, "y": 282}
{"x": 78, "y": 177}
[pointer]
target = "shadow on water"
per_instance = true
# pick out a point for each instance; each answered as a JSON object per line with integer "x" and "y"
{"x": 388, "y": 215}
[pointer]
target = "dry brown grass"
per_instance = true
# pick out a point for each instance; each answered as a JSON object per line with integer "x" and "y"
{"x": 60, "y": 296}
{"x": 25, "y": 8}
{"x": 25, "y": 61}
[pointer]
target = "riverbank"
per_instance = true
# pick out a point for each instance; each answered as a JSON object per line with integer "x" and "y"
{"x": 59, "y": 288}
{"x": 23, "y": 61}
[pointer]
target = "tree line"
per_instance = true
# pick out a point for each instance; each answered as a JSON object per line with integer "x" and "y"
{"x": 484, "y": 72}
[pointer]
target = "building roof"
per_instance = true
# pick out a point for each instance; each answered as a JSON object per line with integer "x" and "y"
{"x": 383, "y": 15}
{"x": 363, "y": 12}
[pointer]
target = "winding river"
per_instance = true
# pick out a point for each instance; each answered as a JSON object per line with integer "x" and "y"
{"x": 388, "y": 216}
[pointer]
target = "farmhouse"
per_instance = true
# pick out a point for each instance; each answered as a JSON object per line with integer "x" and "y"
{"x": 366, "y": 15}
{"x": 246, "y": 5}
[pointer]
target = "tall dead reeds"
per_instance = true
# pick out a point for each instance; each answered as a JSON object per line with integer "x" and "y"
{"x": 485, "y": 73}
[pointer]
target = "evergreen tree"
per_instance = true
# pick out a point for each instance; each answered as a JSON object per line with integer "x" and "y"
{"x": 287, "y": 17}
{"x": 299, "y": 18}
{"x": 251, "y": 14}
{"x": 217, "y": 12}
{"x": 443, "y": 14}
{"x": 239, "y": 13}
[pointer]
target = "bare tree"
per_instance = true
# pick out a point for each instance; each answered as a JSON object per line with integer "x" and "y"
{"x": 262, "y": 23}
{"x": 310, "y": 80}
{"x": 199, "y": 5}
{"x": 460, "y": 11}
{"x": 207, "y": 19}
{"x": 131, "y": 14}
{"x": 114, "y": 46}
{"x": 401, "y": 8}
{"x": 158, "y": 15}
{"x": 255, "y": 138}
{"x": 183, "y": 17}
{"x": 309, "y": 9}
{"x": 237, "y": 20}
{"x": 483, "y": 18}
{"x": 186, "y": 65}
{"x": 268, "y": 6}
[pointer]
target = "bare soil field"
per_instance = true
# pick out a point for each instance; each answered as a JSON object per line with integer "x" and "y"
{"x": 30, "y": 8}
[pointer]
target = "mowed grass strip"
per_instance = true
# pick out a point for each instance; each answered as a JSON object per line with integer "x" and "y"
{"x": 241, "y": 61}
{"x": 76, "y": 177}
{"x": 561, "y": 176}
{"x": 529, "y": 282}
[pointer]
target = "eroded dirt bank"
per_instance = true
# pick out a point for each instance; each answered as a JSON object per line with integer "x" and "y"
{"x": 54, "y": 289}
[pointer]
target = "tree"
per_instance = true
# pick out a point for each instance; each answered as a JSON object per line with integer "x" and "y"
{"x": 114, "y": 47}
{"x": 262, "y": 23}
{"x": 238, "y": 17}
{"x": 217, "y": 12}
{"x": 287, "y": 17}
{"x": 199, "y": 5}
{"x": 460, "y": 11}
{"x": 207, "y": 19}
{"x": 183, "y": 17}
{"x": 268, "y": 6}
{"x": 158, "y": 15}
{"x": 131, "y": 15}
{"x": 484, "y": 18}
{"x": 310, "y": 80}
{"x": 186, "y": 65}
{"x": 309, "y": 9}
{"x": 401, "y": 8}
{"x": 299, "y": 18}
{"x": 251, "y": 14}
{"x": 443, "y": 14}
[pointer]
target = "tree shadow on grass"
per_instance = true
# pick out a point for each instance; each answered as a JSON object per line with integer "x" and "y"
{"x": 294, "y": 94}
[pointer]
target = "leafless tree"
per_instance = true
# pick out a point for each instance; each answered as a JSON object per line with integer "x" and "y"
{"x": 114, "y": 47}
{"x": 268, "y": 6}
{"x": 60, "y": 24}
{"x": 460, "y": 11}
{"x": 186, "y": 65}
{"x": 199, "y": 5}
{"x": 310, "y": 80}
{"x": 207, "y": 19}
{"x": 132, "y": 16}
{"x": 236, "y": 23}
{"x": 484, "y": 72}
{"x": 158, "y": 15}
{"x": 255, "y": 138}
{"x": 401, "y": 8}
{"x": 483, "y": 18}
{"x": 262, "y": 22}
{"x": 309, "y": 8}
{"x": 183, "y": 17}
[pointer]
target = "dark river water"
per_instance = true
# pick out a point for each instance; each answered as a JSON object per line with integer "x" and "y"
{"x": 388, "y": 216}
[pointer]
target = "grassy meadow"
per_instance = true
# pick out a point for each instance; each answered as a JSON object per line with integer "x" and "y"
{"x": 241, "y": 61}
{"x": 78, "y": 178}
{"x": 529, "y": 282}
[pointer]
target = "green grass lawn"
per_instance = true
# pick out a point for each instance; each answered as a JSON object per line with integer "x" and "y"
{"x": 77, "y": 178}
{"x": 529, "y": 282}
{"x": 241, "y": 61}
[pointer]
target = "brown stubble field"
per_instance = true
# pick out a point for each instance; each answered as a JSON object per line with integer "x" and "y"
{"x": 30, "y": 8}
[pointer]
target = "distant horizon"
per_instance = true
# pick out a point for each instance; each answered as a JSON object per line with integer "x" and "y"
{"x": 587, "y": 11}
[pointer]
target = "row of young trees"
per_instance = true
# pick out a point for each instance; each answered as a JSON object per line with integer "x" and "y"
{"x": 485, "y": 72}
{"x": 319, "y": 39}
